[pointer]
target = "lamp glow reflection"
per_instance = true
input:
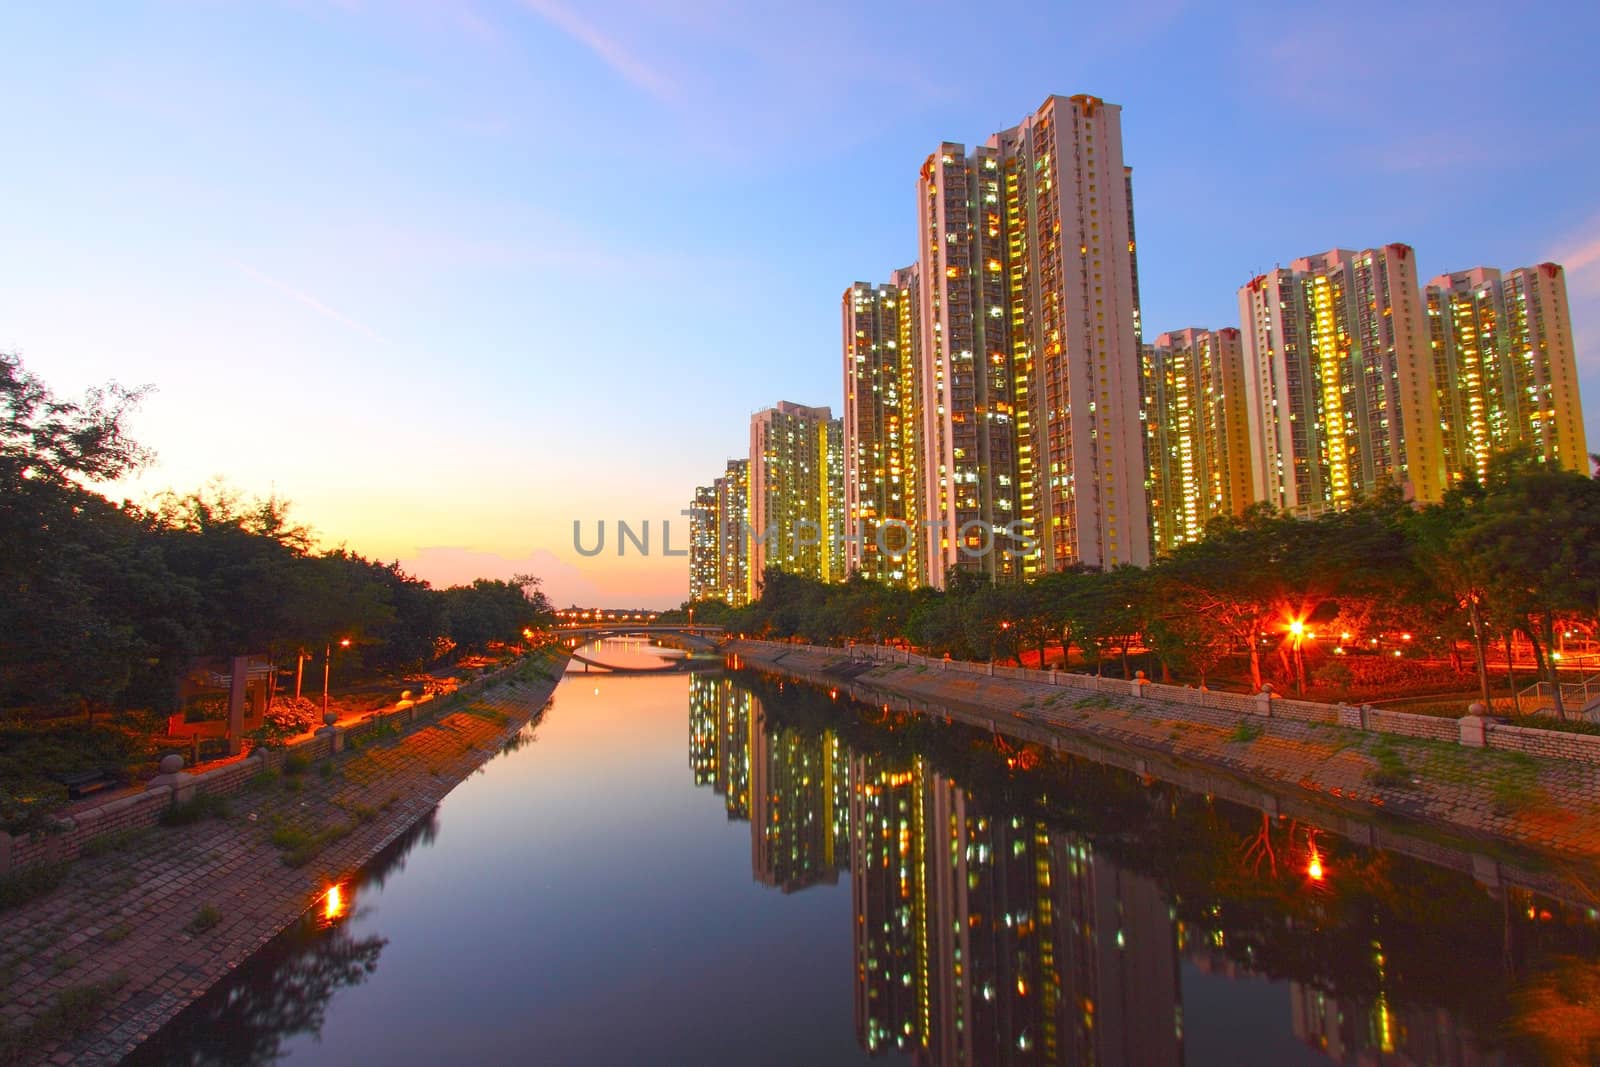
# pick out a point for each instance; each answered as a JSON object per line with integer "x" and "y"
{"x": 333, "y": 903}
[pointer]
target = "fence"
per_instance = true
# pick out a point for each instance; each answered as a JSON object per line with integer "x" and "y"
{"x": 1468, "y": 730}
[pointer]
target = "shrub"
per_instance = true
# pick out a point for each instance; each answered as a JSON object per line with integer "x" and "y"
{"x": 204, "y": 919}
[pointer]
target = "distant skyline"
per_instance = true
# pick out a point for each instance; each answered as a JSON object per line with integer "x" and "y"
{"x": 451, "y": 276}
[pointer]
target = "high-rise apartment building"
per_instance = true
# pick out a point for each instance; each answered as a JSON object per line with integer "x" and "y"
{"x": 719, "y": 537}
{"x": 1197, "y": 433}
{"x": 1031, "y": 384}
{"x": 705, "y": 549}
{"x": 1505, "y": 370}
{"x": 1339, "y": 381}
{"x": 881, "y": 413}
{"x": 796, "y": 493}
{"x": 733, "y": 533}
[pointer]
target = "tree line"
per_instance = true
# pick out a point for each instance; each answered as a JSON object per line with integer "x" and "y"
{"x": 103, "y": 605}
{"x": 1517, "y": 553}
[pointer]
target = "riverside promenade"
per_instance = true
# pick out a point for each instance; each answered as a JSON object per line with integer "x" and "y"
{"x": 1539, "y": 812}
{"x": 147, "y": 919}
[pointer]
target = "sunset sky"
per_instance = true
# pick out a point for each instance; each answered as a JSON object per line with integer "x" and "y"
{"x": 450, "y": 276}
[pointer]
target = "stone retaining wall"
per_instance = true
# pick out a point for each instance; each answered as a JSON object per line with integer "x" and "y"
{"x": 135, "y": 811}
{"x": 1546, "y": 743}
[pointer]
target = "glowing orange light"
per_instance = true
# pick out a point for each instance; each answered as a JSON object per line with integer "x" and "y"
{"x": 1297, "y": 627}
{"x": 1405, "y": 637}
{"x": 333, "y": 903}
{"x": 1315, "y": 869}
{"x": 344, "y": 643}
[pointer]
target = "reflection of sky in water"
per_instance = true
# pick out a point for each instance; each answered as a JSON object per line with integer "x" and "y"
{"x": 585, "y": 900}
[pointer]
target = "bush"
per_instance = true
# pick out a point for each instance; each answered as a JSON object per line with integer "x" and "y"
{"x": 286, "y": 718}
{"x": 29, "y": 754}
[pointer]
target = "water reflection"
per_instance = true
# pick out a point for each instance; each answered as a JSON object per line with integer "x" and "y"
{"x": 1050, "y": 911}
{"x": 284, "y": 990}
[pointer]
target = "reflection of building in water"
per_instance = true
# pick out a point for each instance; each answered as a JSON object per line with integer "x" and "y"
{"x": 888, "y": 892}
{"x": 983, "y": 938}
{"x": 1357, "y": 1035}
{"x": 719, "y": 740}
{"x": 704, "y": 690}
{"x": 792, "y": 786}
{"x": 798, "y": 809}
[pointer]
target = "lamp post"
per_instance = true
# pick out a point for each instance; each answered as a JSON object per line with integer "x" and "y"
{"x": 327, "y": 665}
{"x": 1297, "y": 630}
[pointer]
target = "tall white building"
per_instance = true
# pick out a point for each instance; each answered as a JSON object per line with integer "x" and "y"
{"x": 1031, "y": 383}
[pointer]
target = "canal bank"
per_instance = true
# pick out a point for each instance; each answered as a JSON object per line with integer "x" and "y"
{"x": 147, "y": 918}
{"x": 1536, "y": 818}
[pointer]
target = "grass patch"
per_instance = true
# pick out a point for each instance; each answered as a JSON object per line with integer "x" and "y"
{"x": 31, "y": 883}
{"x": 117, "y": 933}
{"x": 299, "y": 845}
{"x": 1096, "y": 701}
{"x": 204, "y": 919}
{"x": 488, "y": 714}
{"x": 296, "y": 763}
{"x": 1392, "y": 769}
{"x": 115, "y": 841}
{"x": 196, "y": 808}
{"x": 1246, "y": 732}
{"x": 72, "y": 1012}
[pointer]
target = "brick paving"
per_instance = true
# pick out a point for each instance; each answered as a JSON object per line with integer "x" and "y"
{"x": 1546, "y": 804}
{"x": 124, "y": 914}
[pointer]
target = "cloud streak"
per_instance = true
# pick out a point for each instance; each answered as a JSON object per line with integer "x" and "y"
{"x": 607, "y": 49}
{"x": 309, "y": 301}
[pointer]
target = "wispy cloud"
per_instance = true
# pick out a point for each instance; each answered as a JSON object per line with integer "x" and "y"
{"x": 606, "y": 48}
{"x": 307, "y": 300}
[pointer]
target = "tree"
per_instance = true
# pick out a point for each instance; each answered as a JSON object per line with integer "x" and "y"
{"x": 1536, "y": 538}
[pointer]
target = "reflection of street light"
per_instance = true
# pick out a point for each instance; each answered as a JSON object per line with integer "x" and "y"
{"x": 327, "y": 664}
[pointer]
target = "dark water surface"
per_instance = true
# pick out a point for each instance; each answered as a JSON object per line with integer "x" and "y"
{"x": 719, "y": 868}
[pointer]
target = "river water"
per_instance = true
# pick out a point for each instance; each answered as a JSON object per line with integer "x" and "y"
{"x": 723, "y": 868}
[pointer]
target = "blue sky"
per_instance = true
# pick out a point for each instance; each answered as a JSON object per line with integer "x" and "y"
{"x": 452, "y": 275}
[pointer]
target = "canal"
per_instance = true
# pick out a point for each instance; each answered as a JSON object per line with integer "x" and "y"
{"x": 721, "y": 867}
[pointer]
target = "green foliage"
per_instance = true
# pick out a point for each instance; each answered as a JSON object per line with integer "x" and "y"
{"x": 205, "y": 917}
{"x": 31, "y": 753}
{"x": 489, "y": 611}
{"x": 1246, "y": 732}
{"x": 103, "y": 606}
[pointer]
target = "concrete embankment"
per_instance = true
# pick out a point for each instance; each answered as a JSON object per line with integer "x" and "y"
{"x": 1500, "y": 815}
{"x": 148, "y": 918}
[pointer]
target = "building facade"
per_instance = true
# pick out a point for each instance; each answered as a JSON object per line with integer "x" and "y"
{"x": 1030, "y": 349}
{"x": 705, "y": 548}
{"x": 733, "y": 533}
{"x": 1505, "y": 369}
{"x": 880, "y": 426}
{"x": 1197, "y": 433}
{"x": 796, "y": 493}
{"x": 1339, "y": 381}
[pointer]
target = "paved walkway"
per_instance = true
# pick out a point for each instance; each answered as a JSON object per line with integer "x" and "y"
{"x": 126, "y": 917}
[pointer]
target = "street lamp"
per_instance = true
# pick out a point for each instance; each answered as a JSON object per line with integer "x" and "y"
{"x": 1297, "y": 630}
{"x": 327, "y": 664}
